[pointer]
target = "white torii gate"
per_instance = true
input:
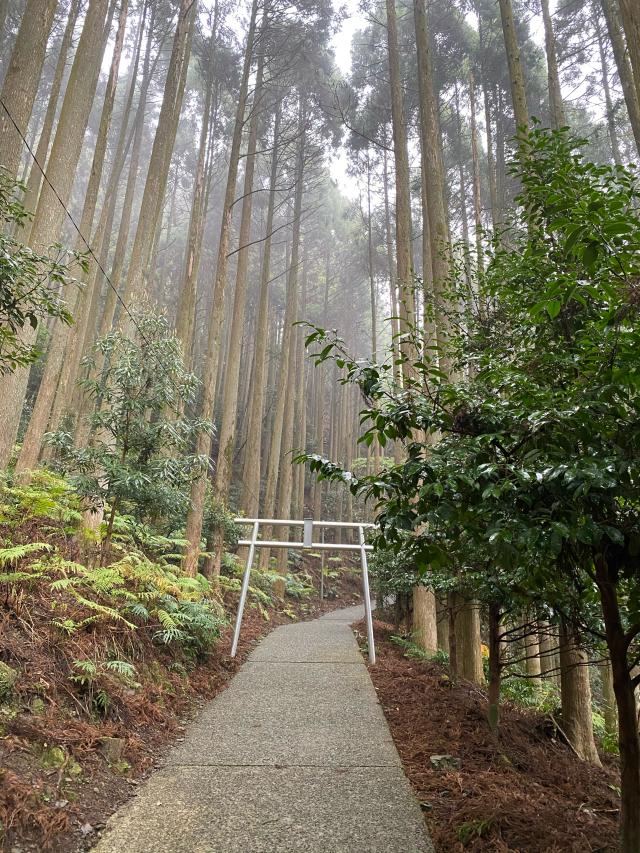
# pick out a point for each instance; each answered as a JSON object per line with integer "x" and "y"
{"x": 308, "y": 524}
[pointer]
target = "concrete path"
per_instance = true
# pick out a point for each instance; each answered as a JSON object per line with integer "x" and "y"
{"x": 294, "y": 756}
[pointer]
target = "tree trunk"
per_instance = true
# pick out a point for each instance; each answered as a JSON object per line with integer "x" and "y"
{"x": 631, "y": 95}
{"x": 442, "y": 624}
{"x": 163, "y": 142}
{"x": 425, "y": 632}
{"x": 185, "y": 316}
{"x": 35, "y": 175}
{"x": 20, "y": 84}
{"x": 491, "y": 164}
{"x": 495, "y": 666}
{"x": 224, "y": 466}
{"x": 604, "y": 75}
{"x": 464, "y": 220}
{"x": 630, "y": 14}
{"x": 68, "y": 396}
{"x": 608, "y": 698}
{"x": 393, "y": 288}
{"x": 50, "y": 213}
{"x": 532, "y": 653}
{"x": 286, "y": 380}
{"x": 431, "y": 147}
{"x": 253, "y": 463}
{"x": 576, "y": 695}
{"x": 210, "y": 373}
{"x": 468, "y": 642}
{"x": 516, "y": 77}
{"x": 122, "y": 240}
{"x": 39, "y": 420}
{"x": 404, "y": 264}
{"x": 624, "y": 687}
{"x": 549, "y": 663}
{"x": 556, "y": 107}
{"x": 475, "y": 159}
{"x": 452, "y": 608}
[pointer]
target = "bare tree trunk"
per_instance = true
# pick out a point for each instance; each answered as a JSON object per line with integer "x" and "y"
{"x": 611, "y": 124}
{"x": 516, "y": 77}
{"x": 300, "y": 418}
{"x": 20, "y": 84}
{"x": 393, "y": 285}
{"x": 283, "y": 421}
{"x": 253, "y": 463}
{"x": 576, "y": 695}
{"x": 549, "y": 662}
{"x": 224, "y": 466}
{"x": 39, "y": 420}
{"x": 556, "y": 107}
{"x": 467, "y": 636}
{"x": 425, "y": 630}
{"x": 442, "y": 624}
{"x": 532, "y": 653}
{"x": 608, "y": 698}
{"x": 464, "y": 220}
{"x": 495, "y": 666}
{"x": 35, "y": 175}
{"x": 108, "y": 311}
{"x": 163, "y": 142}
{"x": 68, "y": 396}
{"x": 493, "y": 190}
{"x": 629, "y": 89}
{"x": 404, "y": 264}
{"x": 50, "y": 213}
{"x": 203, "y": 443}
{"x": 431, "y": 147}
{"x": 185, "y": 317}
{"x": 624, "y": 685}
{"x": 630, "y": 14}
{"x": 477, "y": 199}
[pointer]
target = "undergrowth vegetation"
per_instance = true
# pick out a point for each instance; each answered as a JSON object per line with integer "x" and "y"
{"x": 95, "y": 654}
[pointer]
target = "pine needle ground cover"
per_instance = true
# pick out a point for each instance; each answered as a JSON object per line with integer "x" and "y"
{"x": 523, "y": 791}
{"x": 102, "y": 666}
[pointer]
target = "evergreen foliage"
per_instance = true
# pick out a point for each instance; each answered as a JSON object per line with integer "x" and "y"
{"x": 32, "y": 285}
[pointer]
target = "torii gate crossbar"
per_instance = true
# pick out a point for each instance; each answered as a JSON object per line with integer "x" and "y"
{"x": 308, "y": 525}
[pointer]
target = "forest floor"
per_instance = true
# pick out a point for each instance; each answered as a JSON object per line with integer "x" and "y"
{"x": 63, "y": 771}
{"x": 523, "y": 791}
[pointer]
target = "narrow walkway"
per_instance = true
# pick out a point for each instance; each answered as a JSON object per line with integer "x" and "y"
{"x": 294, "y": 756}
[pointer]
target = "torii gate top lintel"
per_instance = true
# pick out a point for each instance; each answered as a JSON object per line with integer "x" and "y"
{"x": 308, "y": 525}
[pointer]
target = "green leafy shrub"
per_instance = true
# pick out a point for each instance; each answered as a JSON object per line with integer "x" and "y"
{"x": 538, "y": 694}
{"x": 140, "y": 459}
{"x": 32, "y": 285}
{"x": 414, "y": 652}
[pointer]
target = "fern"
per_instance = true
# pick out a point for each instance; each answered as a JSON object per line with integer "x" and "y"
{"x": 169, "y": 636}
{"x": 10, "y": 556}
{"x": 125, "y": 670}
{"x": 101, "y": 701}
{"x": 102, "y": 609}
{"x": 166, "y": 620}
{"x": 139, "y": 611}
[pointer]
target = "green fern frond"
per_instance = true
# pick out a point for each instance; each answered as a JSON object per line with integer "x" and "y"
{"x": 102, "y": 609}
{"x": 166, "y": 620}
{"x": 10, "y": 556}
{"x": 123, "y": 668}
